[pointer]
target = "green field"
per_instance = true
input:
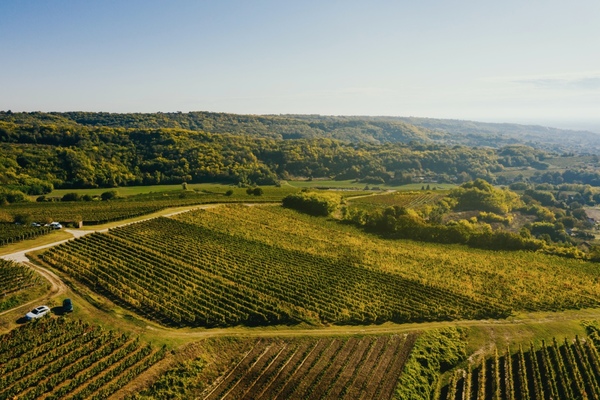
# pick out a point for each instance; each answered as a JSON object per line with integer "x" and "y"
{"x": 354, "y": 185}
{"x": 127, "y": 191}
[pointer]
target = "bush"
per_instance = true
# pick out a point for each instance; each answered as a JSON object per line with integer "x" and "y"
{"x": 71, "y": 197}
{"x": 110, "y": 195}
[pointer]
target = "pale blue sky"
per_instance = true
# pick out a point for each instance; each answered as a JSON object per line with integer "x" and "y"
{"x": 521, "y": 61}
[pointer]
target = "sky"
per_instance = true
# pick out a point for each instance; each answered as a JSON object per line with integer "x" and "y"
{"x": 519, "y": 61}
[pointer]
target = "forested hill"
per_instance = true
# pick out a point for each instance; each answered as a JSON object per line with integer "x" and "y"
{"x": 39, "y": 151}
{"x": 353, "y": 129}
{"x": 472, "y": 133}
{"x": 72, "y": 155}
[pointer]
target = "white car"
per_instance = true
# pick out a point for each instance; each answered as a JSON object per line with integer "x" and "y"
{"x": 55, "y": 225}
{"x": 37, "y": 312}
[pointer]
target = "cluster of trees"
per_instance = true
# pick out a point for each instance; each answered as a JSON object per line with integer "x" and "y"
{"x": 549, "y": 231}
{"x": 399, "y": 222}
{"x": 576, "y": 175}
{"x": 313, "y": 203}
{"x": 480, "y": 195}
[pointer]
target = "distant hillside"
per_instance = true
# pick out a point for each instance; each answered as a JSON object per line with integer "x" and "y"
{"x": 375, "y": 130}
{"x": 275, "y": 127}
{"x": 471, "y": 133}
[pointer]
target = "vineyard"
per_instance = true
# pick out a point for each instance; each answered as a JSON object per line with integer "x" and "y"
{"x": 54, "y": 358}
{"x": 557, "y": 370}
{"x": 412, "y": 200}
{"x": 12, "y": 233}
{"x": 184, "y": 274}
{"x": 99, "y": 212}
{"x": 520, "y": 280}
{"x": 15, "y": 280}
{"x": 365, "y": 367}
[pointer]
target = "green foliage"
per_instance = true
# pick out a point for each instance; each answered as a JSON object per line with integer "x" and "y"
{"x": 60, "y": 152}
{"x": 491, "y": 217}
{"x": 555, "y": 231}
{"x": 110, "y": 195}
{"x": 480, "y": 195}
{"x": 8, "y": 196}
{"x": 179, "y": 382}
{"x": 255, "y": 191}
{"x": 435, "y": 351}
{"x": 545, "y": 198}
{"x": 71, "y": 197}
{"x": 313, "y": 203}
{"x": 399, "y": 222}
{"x": 518, "y": 186}
{"x": 542, "y": 213}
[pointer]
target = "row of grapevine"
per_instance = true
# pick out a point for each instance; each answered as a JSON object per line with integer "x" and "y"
{"x": 565, "y": 370}
{"x": 520, "y": 280}
{"x": 327, "y": 368}
{"x": 400, "y": 199}
{"x": 16, "y": 280}
{"x": 15, "y": 277}
{"x": 99, "y": 212}
{"x": 12, "y": 233}
{"x": 56, "y": 358}
{"x": 186, "y": 274}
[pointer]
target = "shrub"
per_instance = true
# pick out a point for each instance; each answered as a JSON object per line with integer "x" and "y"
{"x": 110, "y": 195}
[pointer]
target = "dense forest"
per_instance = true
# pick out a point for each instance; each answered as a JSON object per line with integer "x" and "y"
{"x": 41, "y": 151}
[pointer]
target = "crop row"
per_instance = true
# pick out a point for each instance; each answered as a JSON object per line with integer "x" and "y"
{"x": 15, "y": 277}
{"x": 12, "y": 233}
{"x": 56, "y": 358}
{"x": 340, "y": 368}
{"x": 565, "y": 370}
{"x": 401, "y": 199}
{"x": 190, "y": 275}
{"x": 520, "y": 280}
{"x": 99, "y": 212}
{"x": 311, "y": 278}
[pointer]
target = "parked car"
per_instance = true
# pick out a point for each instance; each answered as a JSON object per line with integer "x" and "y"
{"x": 55, "y": 225}
{"x": 37, "y": 312}
{"x": 67, "y": 305}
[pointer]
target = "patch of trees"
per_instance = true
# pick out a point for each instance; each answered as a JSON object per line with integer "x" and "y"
{"x": 548, "y": 233}
{"x": 318, "y": 204}
{"x": 480, "y": 195}
{"x": 402, "y": 223}
{"x": 40, "y": 157}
